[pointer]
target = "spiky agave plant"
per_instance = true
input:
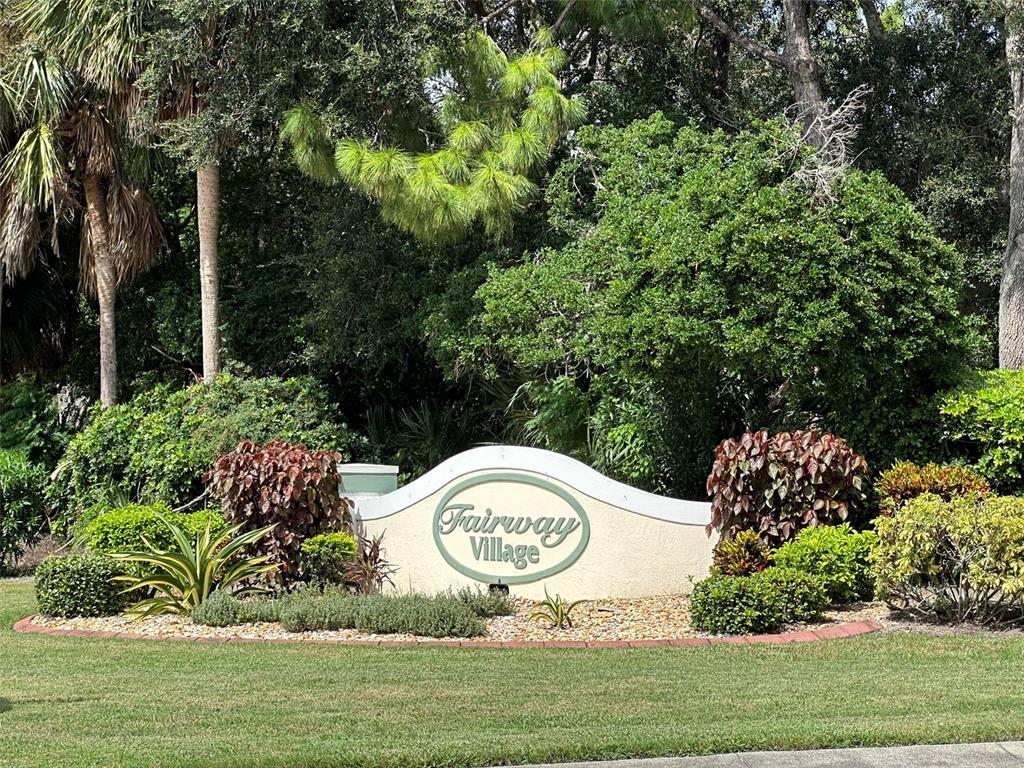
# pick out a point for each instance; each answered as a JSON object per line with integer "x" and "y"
{"x": 189, "y": 572}
{"x": 557, "y": 611}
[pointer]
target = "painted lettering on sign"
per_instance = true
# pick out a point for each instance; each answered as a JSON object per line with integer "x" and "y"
{"x": 510, "y": 528}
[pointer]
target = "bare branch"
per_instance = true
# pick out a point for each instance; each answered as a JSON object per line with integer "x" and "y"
{"x": 750, "y": 45}
{"x": 562, "y": 16}
{"x": 837, "y": 129}
{"x": 498, "y": 11}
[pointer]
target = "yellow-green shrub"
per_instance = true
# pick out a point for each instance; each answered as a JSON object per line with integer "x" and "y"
{"x": 960, "y": 560}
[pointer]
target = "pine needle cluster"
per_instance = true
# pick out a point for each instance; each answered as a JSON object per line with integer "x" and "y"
{"x": 501, "y": 117}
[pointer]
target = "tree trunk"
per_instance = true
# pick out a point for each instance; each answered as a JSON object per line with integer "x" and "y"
{"x": 1011, "y": 285}
{"x": 208, "y": 209}
{"x": 802, "y": 68}
{"x": 872, "y": 20}
{"x": 98, "y": 222}
{"x": 720, "y": 47}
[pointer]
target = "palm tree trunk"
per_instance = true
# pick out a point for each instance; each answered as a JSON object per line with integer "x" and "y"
{"x": 106, "y": 285}
{"x": 1011, "y": 285}
{"x": 208, "y": 200}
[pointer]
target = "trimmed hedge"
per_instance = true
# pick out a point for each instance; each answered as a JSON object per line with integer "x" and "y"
{"x": 325, "y": 557}
{"x": 838, "y": 555}
{"x": 79, "y": 585}
{"x": 123, "y": 529}
{"x": 761, "y": 602}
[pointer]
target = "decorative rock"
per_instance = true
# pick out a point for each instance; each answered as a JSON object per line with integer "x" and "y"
{"x": 634, "y": 623}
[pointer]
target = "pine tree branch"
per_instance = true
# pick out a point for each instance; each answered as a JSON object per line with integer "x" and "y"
{"x": 750, "y": 45}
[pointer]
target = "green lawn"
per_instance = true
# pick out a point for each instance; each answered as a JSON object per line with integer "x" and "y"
{"x": 82, "y": 702}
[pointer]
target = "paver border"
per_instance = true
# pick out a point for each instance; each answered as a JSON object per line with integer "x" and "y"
{"x": 832, "y": 632}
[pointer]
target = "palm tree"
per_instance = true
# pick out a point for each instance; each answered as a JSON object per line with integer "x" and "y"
{"x": 65, "y": 97}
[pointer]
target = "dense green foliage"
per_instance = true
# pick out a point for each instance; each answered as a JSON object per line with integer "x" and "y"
{"x": 79, "y": 585}
{"x": 29, "y": 421}
{"x": 157, "y": 447}
{"x": 984, "y": 418}
{"x": 325, "y": 557}
{"x": 675, "y": 281}
{"x": 837, "y": 555}
{"x": 22, "y": 514}
{"x": 957, "y": 561}
{"x": 127, "y": 529}
{"x": 759, "y": 603}
{"x": 702, "y": 289}
{"x": 905, "y": 480}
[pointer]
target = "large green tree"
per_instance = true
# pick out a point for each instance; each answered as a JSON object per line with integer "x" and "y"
{"x": 702, "y": 290}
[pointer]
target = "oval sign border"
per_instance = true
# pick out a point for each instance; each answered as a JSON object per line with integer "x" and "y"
{"x": 512, "y": 477}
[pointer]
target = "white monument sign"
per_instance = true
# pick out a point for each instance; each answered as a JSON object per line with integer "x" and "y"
{"x": 532, "y": 519}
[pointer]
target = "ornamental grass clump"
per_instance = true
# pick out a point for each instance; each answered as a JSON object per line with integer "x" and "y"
{"x": 442, "y": 615}
{"x": 960, "y": 560}
{"x": 421, "y": 615}
{"x": 777, "y": 485}
{"x": 187, "y": 573}
{"x": 487, "y": 603}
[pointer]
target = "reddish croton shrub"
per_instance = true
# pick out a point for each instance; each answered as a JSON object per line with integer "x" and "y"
{"x": 905, "y": 481}
{"x": 777, "y": 485}
{"x": 280, "y": 484}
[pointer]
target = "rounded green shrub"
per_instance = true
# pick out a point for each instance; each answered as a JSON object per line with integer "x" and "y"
{"x": 79, "y": 585}
{"x": 125, "y": 529}
{"x": 326, "y": 556}
{"x": 223, "y": 609}
{"x": 761, "y": 602}
{"x": 956, "y": 561}
{"x": 838, "y": 555}
{"x": 22, "y": 514}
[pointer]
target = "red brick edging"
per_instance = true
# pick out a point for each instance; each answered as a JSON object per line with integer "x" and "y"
{"x": 832, "y": 632}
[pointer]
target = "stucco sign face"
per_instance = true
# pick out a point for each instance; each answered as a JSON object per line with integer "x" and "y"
{"x": 510, "y": 528}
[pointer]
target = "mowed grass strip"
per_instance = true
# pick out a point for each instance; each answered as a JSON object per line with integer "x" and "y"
{"x": 85, "y": 702}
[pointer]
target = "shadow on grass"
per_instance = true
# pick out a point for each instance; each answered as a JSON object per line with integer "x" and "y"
{"x": 5, "y": 706}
